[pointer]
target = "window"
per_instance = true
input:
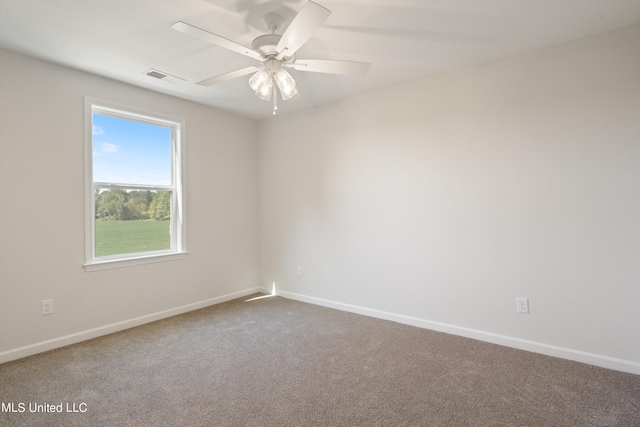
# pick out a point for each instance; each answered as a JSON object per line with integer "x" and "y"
{"x": 134, "y": 187}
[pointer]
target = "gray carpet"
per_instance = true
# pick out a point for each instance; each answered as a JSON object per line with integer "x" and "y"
{"x": 277, "y": 362}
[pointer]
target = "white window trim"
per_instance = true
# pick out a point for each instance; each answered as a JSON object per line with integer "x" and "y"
{"x": 178, "y": 205}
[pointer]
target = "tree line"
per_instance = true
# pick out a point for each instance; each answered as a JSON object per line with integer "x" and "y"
{"x": 123, "y": 205}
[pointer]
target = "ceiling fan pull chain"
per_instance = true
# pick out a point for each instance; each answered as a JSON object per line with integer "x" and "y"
{"x": 275, "y": 99}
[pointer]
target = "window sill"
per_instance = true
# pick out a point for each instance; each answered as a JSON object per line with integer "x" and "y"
{"x": 126, "y": 262}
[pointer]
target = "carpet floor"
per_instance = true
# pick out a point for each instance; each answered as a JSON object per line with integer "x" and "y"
{"x": 276, "y": 362}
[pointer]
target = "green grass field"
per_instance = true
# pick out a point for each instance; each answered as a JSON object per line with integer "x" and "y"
{"x": 124, "y": 237}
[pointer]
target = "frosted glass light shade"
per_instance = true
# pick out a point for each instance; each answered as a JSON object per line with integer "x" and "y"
{"x": 265, "y": 90}
{"x": 286, "y": 84}
{"x": 259, "y": 78}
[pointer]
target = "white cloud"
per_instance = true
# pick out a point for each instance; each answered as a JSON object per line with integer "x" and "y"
{"x": 108, "y": 148}
{"x": 97, "y": 130}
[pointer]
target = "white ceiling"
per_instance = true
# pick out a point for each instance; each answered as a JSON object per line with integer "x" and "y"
{"x": 403, "y": 39}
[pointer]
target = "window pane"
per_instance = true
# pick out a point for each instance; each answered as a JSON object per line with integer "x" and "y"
{"x": 135, "y": 210}
{"x": 130, "y": 221}
{"x": 130, "y": 152}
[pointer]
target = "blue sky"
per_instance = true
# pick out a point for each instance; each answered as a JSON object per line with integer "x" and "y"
{"x": 130, "y": 152}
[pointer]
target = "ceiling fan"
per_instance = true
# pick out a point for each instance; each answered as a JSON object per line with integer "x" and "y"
{"x": 275, "y": 53}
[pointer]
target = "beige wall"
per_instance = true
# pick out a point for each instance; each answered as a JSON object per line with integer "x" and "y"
{"x": 42, "y": 211}
{"x": 441, "y": 201}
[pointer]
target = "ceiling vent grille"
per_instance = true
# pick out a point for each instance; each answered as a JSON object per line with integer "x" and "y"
{"x": 165, "y": 77}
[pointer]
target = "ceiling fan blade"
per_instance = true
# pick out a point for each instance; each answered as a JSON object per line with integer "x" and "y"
{"x": 215, "y": 39}
{"x": 331, "y": 66}
{"x": 303, "y": 26}
{"x": 227, "y": 76}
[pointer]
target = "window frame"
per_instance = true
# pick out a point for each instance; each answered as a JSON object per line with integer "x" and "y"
{"x": 178, "y": 246}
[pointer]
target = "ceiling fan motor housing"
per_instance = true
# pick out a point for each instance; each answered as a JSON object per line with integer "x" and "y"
{"x": 266, "y": 44}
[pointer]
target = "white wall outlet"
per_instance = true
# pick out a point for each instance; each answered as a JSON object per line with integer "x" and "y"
{"x": 522, "y": 305}
{"x": 299, "y": 271}
{"x": 47, "y": 306}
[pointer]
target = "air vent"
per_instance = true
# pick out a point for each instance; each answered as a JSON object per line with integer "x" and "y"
{"x": 165, "y": 77}
{"x": 156, "y": 74}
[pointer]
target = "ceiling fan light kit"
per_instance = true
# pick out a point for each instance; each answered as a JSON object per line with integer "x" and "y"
{"x": 276, "y": 52}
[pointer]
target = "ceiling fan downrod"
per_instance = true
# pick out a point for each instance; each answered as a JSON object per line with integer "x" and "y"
{"x": 272, "y": 21}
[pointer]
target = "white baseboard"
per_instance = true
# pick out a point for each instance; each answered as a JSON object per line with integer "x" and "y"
{"x": 535, "y": 347}
{"x": 40, "y": 347}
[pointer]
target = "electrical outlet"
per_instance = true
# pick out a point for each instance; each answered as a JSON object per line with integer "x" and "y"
{"x": 47, "y": 306}
{"x": 299, "y": 271}
{"x": 522, "y": 305}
